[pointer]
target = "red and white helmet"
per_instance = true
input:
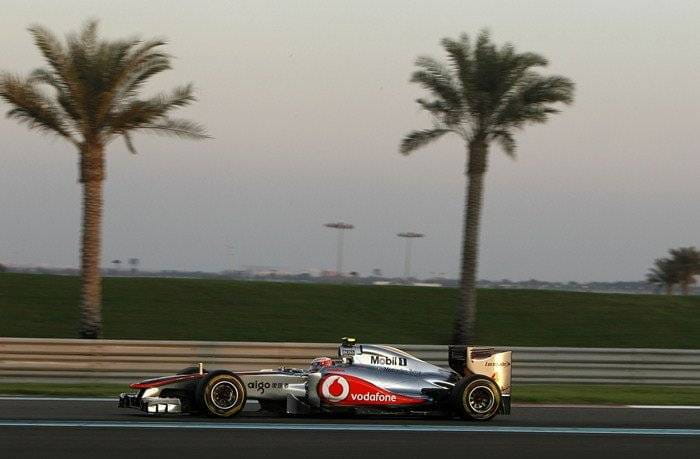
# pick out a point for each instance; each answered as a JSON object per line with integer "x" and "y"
{"x": 321, "y": 362}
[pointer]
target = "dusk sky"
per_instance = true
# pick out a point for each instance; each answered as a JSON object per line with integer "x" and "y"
{"x": 307, "y": 102}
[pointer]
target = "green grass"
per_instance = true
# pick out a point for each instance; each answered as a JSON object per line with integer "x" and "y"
{"x": 525, "y": 393}
{"x": 606, "y": 394}
{"x": 60, "y": 389}
{"x": 179, "y": 309}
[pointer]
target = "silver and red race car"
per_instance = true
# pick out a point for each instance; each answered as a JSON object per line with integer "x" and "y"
{"x": 363, "y": 379}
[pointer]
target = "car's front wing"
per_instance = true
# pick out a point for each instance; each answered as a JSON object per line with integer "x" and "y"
{"x": 152, "y": 405}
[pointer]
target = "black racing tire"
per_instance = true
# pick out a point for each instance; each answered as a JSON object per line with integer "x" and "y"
{"x": 221, "y": 394}
{"x": 476, "y": 398}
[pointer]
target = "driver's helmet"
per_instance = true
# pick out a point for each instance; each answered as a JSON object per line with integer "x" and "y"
{"x": 321, "y": 362}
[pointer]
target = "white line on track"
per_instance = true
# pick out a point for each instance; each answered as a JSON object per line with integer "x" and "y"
{"x": 607, "y": 407}
{"x": 69, "y": 399}
{"x": 59, "y": 399}
{"x": 39, "y": 398}
{"x": 664, "y": 407}
{"x": 355, "y": 427}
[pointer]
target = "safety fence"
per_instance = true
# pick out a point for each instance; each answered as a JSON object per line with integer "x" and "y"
{"x": 73, "y": 360}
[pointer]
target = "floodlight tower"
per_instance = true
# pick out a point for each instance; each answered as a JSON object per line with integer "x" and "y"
{"x": 341, "y": 227}
{"x": 231, "y": 254}
{"x": 409, "y": 236}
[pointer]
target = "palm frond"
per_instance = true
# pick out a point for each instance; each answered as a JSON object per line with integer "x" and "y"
{"x": 136, "y": 113}
{"x": 129, "y": 143}
{"x": 50, "y": 78}
{"x": 57, "y": 56}
{"x": 177, "y": 127}
{"x": 531, "y": 101}
{"x": 492, "y": 68}
{"x": 436, "y": 107}
{"x": 86, "y": 72}
{"x": 436, "y": 78}
{"x": 506, "y": 140}
{"x": 32, "y": 107}
{"x": 550, "y": 89}
{"x": 154, "y": 64}
{"x": 104, "y": 70}
{"x": 528, "y": 60}
{"x": 458, "y": 54}
{"x": 143, "y": 62}
{"x": 88, "y": 36}
{"x": 485, "y": 91}
{"x": 417, "y": 139}
{"x": 180, "y": 97}
{"x": 96, "y": 84}
{"x": 444, "y": 114}
{"x": 131, "y": 63}
{"x": 139, "y": 113}
{"x": 50, "y": 47}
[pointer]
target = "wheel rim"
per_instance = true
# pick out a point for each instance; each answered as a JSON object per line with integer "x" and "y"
{"x": 224, "y": 395}
{"x": 481, "y": 399}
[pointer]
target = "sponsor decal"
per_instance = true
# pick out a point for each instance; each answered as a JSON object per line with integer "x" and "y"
{"x": 497, "y": 364}
{"x": 347, "y": 351}
{"x": 350, "y": 391}
{"x": 401, "y": 371}
{"x": 375, "y": 397}
{"x": 261, "y": 386}
{"x": 381, "y": 360}
{"x": 335, "y": 388}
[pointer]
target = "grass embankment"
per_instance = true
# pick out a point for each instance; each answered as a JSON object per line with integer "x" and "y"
{"x": 199, "y": 309}
{"x": 526, "y": 393}
{"x": 606, "y": 394}
{"x": 64, "y": 390}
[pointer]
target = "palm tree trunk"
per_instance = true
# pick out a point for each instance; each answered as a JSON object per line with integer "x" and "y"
{"x": 91, "y": 176}
{"x": 465, "y": 320}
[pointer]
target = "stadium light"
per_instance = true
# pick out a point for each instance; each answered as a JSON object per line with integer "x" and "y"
{"x": 409, "y": 236}
{"x": 341, "y": 227}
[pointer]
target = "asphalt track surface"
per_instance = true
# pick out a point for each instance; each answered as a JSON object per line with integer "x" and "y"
{"x": 72, "y": 428}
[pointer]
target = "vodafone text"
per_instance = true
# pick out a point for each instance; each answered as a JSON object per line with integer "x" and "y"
{"x": 373, "y": 397}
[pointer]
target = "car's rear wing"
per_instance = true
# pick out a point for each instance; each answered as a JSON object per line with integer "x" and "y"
{"x": 468, "y": 361}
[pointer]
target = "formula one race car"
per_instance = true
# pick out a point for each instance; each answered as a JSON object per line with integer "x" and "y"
{"x": 364, "y": 379}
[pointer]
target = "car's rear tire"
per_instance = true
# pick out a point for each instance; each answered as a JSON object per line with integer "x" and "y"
{"x": 221, "y": 394}
{"x": 476, "y": 398}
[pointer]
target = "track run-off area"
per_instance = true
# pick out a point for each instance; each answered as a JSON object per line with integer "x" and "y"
{"x": 64, "y": 427}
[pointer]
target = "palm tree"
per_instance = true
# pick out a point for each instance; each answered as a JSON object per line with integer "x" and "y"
{"x": 664, "y": 275}
{"x": 483, "y": 95}
{"x": 686, "y": 264}
{"x": 94, "y": 89}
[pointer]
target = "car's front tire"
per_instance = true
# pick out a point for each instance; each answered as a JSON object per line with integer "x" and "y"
{"x": 476, "y": 398}
{"x": 221, "y": 394}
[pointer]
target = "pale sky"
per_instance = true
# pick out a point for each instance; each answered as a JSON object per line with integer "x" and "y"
{"x": 307, "y": 103}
